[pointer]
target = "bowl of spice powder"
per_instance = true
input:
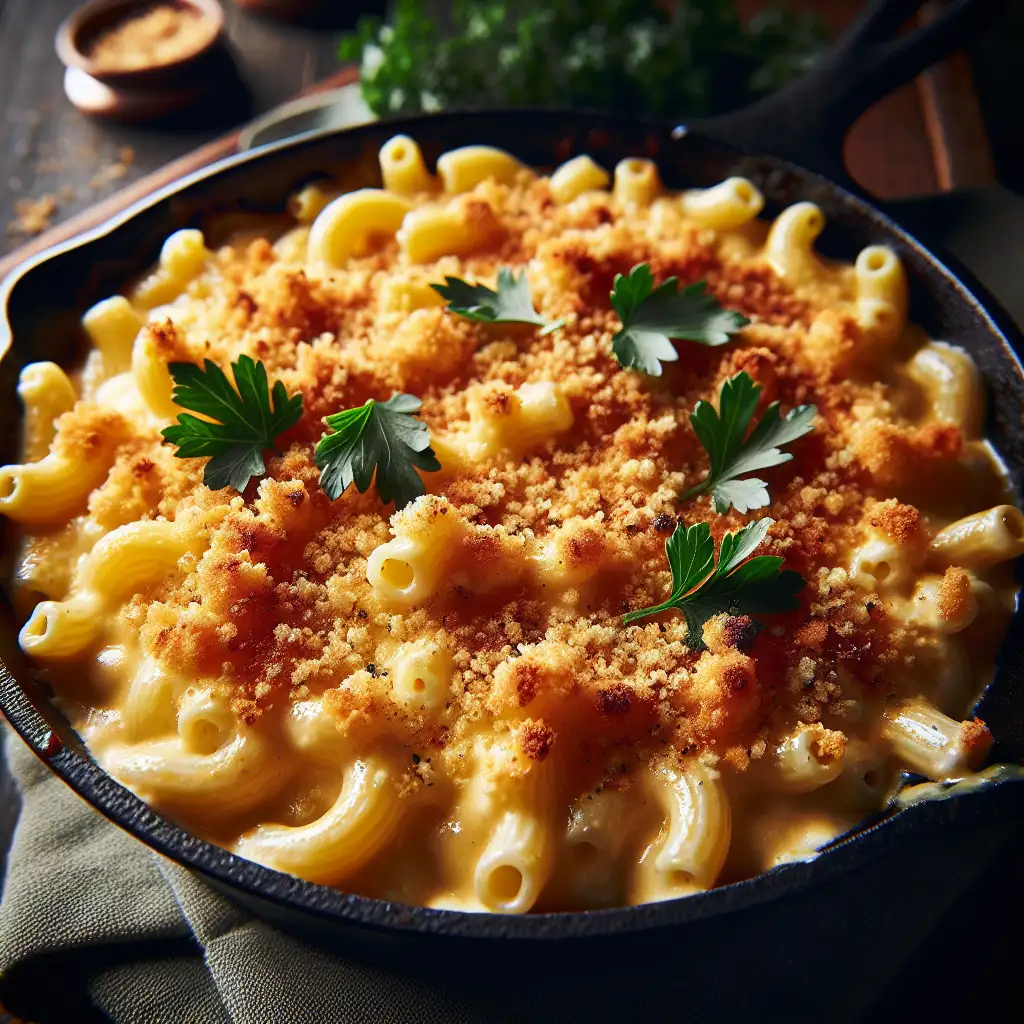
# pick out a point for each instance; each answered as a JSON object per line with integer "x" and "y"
{"x": 141, "y": 44}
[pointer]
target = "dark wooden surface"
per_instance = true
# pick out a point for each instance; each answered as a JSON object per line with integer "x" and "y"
{"x": 47, "y": 146}
{"x": 927, "y": 135}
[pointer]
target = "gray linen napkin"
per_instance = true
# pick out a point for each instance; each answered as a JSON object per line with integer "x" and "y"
{"x": 94, "y": 926}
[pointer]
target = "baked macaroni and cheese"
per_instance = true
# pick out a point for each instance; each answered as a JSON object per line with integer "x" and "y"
{"x": 511, "y": 542}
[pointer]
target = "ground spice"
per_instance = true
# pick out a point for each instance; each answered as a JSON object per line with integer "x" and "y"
{"x": 31, "y": 216}
{"x": 107, "y": 174}
{"x": 160, "y": 35}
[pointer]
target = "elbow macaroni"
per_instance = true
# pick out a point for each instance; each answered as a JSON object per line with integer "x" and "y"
{"x": 810, "y": 757}
{"x": 515, "y": 864}
{"x": 52, "y": 489}
{"x": 182, "y": 258}
{"x": 886, "y": 563}
{"x": 596, "y": 839}
{"x": 952, "y": 385}
{"x": 152, "y": 377}
{"x": 402, "y": 167}
{"x": 123, "y": 562}
{"x": 512, "y": 809}
{"x": 307, "y": 204}
{"x": 699, "y": 830}
{"x": 149, "y": 707}
{"x": 881, "y": 285}
{"x": 421, "y": 676}
{"x": 46, "y": 392}
{"x": 729, "y": 204}
{"x": 507, "y": 423}
{"x": 790, "y": 245}
{"x": 461, "y": 170}
{"x": 363, "y": 819}
{"x": 575, "y": 177}
{"x": 981, "y": 540}
{"x": 407, "y": 569}
{"x": 636, "y": 182}
{"x": 207, "y": 787}
{"x": 352, "y": 223}
{"x": 933, "y": 743}
{"x": 440, "y": 704}
{"x": 112, "y": 326}
{"x": 431, "y": 233}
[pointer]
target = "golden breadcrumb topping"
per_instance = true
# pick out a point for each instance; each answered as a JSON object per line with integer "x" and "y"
{"x": 954, "y": 595}
{"x": 278, "y": 606}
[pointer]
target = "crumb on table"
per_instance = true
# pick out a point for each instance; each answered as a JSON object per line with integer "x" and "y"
{"x": 160, "y": 35}
{"x": 115, "y": 170}
{"x": 31, "y": 216}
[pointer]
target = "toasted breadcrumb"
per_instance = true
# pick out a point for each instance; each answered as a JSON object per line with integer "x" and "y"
{"x": 955, "y": 599}
{"x": 896, "y": 520}
{"x": 278, "y": 607}
{"x": 829, "y": 744}
{"x": 32, "y": 216}
{"x": 976, "y": 740}
{"x": 163, "y": 33}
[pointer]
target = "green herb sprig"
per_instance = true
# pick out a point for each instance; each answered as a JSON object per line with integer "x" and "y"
{"x": 382, "y": 438}
{"x": 738, "y": 584}
{"x": 696, "y": 56}
{"x": 511, "y": 303}
{"x": 733, "y": 453}
{"x": 651, "y": 317}
{"x": 248, "y": 418}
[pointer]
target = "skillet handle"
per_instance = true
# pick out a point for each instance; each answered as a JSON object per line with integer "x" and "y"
{"x": 807, "y": 121}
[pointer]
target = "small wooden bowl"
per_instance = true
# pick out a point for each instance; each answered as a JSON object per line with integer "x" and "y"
{"x": 84, "y": 25}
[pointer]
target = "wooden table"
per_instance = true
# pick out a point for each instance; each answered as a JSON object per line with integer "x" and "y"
{"x": 48, "y": 148}
{"x": 927, "y": 136}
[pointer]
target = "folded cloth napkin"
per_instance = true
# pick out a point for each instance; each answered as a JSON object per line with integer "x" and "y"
{"x": 94, "y": 926}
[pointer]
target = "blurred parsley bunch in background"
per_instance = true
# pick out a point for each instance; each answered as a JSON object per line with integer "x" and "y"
{"x": 687, "y": 58}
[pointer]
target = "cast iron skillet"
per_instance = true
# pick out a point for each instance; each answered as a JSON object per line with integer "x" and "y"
{"x": 804, "y": 126}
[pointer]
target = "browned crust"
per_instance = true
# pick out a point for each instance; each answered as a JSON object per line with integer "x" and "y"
{"x": 953, "y": 596}
{"x": 278, "y": 604}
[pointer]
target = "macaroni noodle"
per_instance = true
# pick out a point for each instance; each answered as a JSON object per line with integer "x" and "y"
{"x": 729, "y": 204}
{"x": 461, "y": 170}
{"x": 46, "y": 393}
{"x": 575, "y": 177}
{"x": 440, "y": 703}
{"x": 636, "y": 182}
{"x": 402, "y": 167}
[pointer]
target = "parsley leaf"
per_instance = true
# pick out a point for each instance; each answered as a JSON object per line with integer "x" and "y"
{"x": 722, "y": 433}
{"x": 510, "y": 304}
{"x": 612, "y": 55}
{"x": 652, "y": 316}
{"x": 249, "y": 417}
{"x": 738, "y": 584}
{"x": 377, "y": 435}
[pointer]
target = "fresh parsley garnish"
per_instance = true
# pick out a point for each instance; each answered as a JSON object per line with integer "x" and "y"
{"x": 381, "y": 436}
{"x": 510, "y": 304}
{"x": 652, "y": 316}
{"x": 249, "y": 417}
{"x": 738, "y": 584}
{"x": 614, "y": 55}
{"x": 722, "y": 433}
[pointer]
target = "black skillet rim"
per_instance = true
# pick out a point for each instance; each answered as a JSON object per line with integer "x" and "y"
{"x": 866, "y": 843}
